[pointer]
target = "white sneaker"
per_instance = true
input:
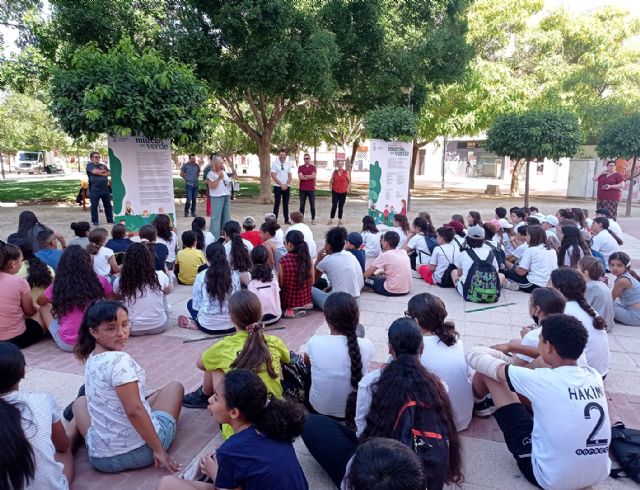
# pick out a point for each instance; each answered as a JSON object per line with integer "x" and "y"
{"x": 511, "y": 285}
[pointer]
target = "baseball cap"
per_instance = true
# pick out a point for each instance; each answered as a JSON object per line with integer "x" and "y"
{"x": 476, "y": 232}
{"x": 504, "y": 224}
{"x": 456, "y": 225}
{"x": 551, "y": 219}
{"x": 355, "y": 239}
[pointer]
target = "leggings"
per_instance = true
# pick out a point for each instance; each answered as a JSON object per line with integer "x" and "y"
{"x": 337, "y": 200}
{"x": 30, "y": 336}
{"x": 626, "y": 315}
{"x": 331, "y": 444}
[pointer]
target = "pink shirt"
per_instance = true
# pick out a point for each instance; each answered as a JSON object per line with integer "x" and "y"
{"x": 397, "y": 269}
{"x": 69, "y": 324}
{"x": 11, "y": 317}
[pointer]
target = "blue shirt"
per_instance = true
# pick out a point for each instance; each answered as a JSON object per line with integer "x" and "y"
{"x": 361, "y": 255}
{"x": 49, "y": 256}
{"x": 118, "y": 244}
{"x": 253, "y": 461}
{"x": 191, "y": 172}
{"x": 97, "y": 182}
{"x": 161, "y": 254}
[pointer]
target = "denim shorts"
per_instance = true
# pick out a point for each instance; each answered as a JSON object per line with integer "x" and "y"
{"x": 140, "y": 457}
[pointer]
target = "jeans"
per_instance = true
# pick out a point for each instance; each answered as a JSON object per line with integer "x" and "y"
{"x": 279, "y": 194}
{"x": 94, "y": 197}
{"x": 140, "y": 457}
{"x": 220, "y": 214}
{"x": 191, "y": 197}
{"x": 54, "y": 330}
{"x": 311, "y": 195}
{"x": 337, "y": 200}
{"x": 377, "y": 284}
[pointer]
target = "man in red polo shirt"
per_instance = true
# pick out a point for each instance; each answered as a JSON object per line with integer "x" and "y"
{"x": 307, "y": 177}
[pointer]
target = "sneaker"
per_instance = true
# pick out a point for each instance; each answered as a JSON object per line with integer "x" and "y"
{"x": 313, "y": 222}
{"x": 511, "y": 285}
{"x": 68, "y": 411}
{"x": 484, "y": 408}
{"x": 196, "y": 399}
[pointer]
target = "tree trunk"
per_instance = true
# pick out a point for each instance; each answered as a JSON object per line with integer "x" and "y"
{"x": 444, "y": 157}
{"x": 515, "y": 174}
{"x": 264, "y": 153}
{"x": 414, "y": 159}
{"x": 354, "y": 150}
{"x": 526, "y": 185}
{"x": 631, "y": 182}
{"x": 2, "y": 166}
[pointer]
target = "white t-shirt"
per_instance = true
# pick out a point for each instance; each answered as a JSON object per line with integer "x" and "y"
{"x": 148, "y": 309}
{"x": 506, "y": 243}
{"x": 308, "y": 237}
{"x": 371, "y": 244}
{"x": 227, "y": 248}
{"x": 604, "y": 243}
{"x": 344, "y": 273}
{"x": 532, "y": 339}
{"x": 401, "y": 234}
{"x": 418, "y": 243}
{"x": 519, "y": 250}
{"x": 331, "y": 371}
{"x": 614, "y": 226}
{"x": 111, "y": 432}
{"x": 597, "y": 349}
{"x": 282, "y": 171}
{"x": 39, "y": 412}
{"x": 571, "y": 428}
{"x": 172, "y": 245}
{"x": 278, "y": 239}
{"x": 223, "y": 187}
{"x": 458, "y": 241}
{"x": 101, "y": 264}
{"x": 540, "y": 262}
{"x": 211, "y": 315}
{"x": 442, "y": 256}
{"x": 464, "y": 262}
{"x": 208, "y": 239}
{"x": 449, "y": 364}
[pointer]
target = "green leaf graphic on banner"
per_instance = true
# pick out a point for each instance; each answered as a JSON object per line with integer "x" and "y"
{"x": 117, "y": 186}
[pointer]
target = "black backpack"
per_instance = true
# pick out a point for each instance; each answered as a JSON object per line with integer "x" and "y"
{"x": 446, "y": 281}
{"x": 625, "y": 448}
{"x": 501, "y": 257}
{"x": 421, "y": 428}
{"x": 483, "y": 283}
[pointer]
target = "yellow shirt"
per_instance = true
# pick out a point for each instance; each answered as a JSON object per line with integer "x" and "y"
{"x": 188, "y": 260}
{"x": 222, "y": 354}
{"x": 24, "y": 273}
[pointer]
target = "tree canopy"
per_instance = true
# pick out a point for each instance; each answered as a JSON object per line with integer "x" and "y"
{"x": 391, "y": 123}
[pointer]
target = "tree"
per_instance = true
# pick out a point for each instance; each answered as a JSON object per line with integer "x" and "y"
{"x": 534, "y": 136}
{"x": 391, "y": 123}
{"x": 621, "y": 139}
{"x": 122, "y": 92}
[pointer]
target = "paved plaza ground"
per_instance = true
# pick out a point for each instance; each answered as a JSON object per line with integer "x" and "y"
{"x": 172, "y": 355}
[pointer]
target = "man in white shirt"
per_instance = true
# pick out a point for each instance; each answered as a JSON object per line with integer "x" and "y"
{"x": 568, "y": 445}
{"x": 298, "y": 224}
{"x": 281, "y": 176}
{"x": 343, "y": 270}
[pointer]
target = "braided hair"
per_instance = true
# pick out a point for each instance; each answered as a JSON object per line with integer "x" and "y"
{"x": 430, "y": 312}
{"x": 572, "y": 286}
{"x": 343, "y": 316}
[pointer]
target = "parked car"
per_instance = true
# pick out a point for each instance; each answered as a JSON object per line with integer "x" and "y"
{"x": 31, "y": 162}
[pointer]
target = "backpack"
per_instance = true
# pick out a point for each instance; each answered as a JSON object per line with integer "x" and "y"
{"x": 446, "y": 281}
{"x": 483, "y": 283}
{"x": 421, "y": 428}
{"x": 501, "y": 257}
{"x": 625, "y": 448}
{"x": 600, "y": 257}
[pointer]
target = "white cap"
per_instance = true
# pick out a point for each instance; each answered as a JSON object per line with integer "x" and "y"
{"x": 551, "y": 219}
{"x": 504, "y": 224}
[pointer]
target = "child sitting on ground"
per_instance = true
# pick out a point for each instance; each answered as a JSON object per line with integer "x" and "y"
{"x": 443, "y": 353}
{"x": 535, "y": 266}
{"x": 569, "y": 406}
{"x": 250, "y": 233}
{"x": 421, "y": 243}
{"x": 338, "y": 361}
{"x": 188, "y": 260}
{"x": 626, "y": 290}
{"x": 119, "y": 241}
{"x": 36, "y": 451}
{"x": 260, "y": 453}
{"x": 353, "y": 244}
{"x": 204, "y": 237}
{"x": 48, "y": 253}
{"x": 371, "y": 237}
{"x": 81, "y": 231}
{"x": 442, "y": 261}
{"x": 249, "y": 348}
{"x": 264, "y": 284}
{"x": 159, "y": 251}
{"x": 237, "y": 248}
{"x": 122, "y": 429}
{"x": 270, "y": 242}
{"x": 38, "y": 274}
{"x": 394, "y": 262}
{"x": 295, "y": 275}
{"x": 104, "y": 262}
{"x": 598, "y": 294}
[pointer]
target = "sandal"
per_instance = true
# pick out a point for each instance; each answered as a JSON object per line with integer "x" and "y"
{"x": 292, "y": 313}
{"x": 187, "y": 323}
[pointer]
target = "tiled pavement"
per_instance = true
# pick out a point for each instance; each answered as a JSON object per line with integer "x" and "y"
{"x": 487, "y": 463}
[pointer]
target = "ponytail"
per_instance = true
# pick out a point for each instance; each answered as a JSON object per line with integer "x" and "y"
{"x": 97, "y": 238}
{"x": 240, "y": 259}
{"x": 604, "y": 222}
{"x": 217, "y": 279}
{"x": 430, "y": 312}
{"x": 303, "y": 259}
{"x": 197, "y": 225}
{"x": 572, "y": 286}
{"x": 277, "y": 419}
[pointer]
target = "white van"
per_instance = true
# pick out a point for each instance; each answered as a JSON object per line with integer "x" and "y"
{"x": 31, "y": 162}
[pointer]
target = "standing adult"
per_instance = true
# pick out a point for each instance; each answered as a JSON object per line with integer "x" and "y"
{"x": 190, "y": 172}
{"x": 217, "y": 181}
{"x": 281, "y": 176}
{"x": 339, "y": 184}
{"x": 307, "y": 176}
{"x": 99, "y": 174}
{"x": 610, "y": 185}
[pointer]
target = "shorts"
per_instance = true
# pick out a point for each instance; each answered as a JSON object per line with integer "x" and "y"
{"x": 516, "y": 425}
{"x": 142, "y": 456}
